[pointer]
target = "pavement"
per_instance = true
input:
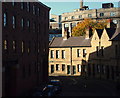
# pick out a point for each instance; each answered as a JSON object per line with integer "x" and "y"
{"x": 79, "y": 86}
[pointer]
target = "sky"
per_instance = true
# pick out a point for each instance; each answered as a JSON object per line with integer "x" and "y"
{"x": 58, "y": 7}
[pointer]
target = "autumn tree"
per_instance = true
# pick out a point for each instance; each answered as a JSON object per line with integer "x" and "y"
{"x": 79, "y": 30}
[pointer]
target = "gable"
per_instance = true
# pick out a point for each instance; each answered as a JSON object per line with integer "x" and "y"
{"x": 95, "y": 39}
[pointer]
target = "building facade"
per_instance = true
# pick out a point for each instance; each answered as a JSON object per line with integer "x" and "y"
{"x": 25, "y": 34}
{"x": 96, "y": 56}
{"x": 55, "y": 29}
{"x": 108, "y": 11}
{"x": 55, "y": 22}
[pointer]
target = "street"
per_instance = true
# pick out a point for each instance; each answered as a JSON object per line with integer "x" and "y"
{"x": 78, "y": 86}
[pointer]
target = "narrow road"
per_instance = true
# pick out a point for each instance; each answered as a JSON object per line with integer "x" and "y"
{"x": 78, "y": 86}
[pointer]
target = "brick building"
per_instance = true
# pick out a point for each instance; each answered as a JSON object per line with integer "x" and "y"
{"x": 25, "y": 38}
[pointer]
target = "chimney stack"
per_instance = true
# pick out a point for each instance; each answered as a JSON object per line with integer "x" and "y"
{"x": 66, "y": 34}
{"x": 88, "y": 33}
{"x": 81, "y": 3}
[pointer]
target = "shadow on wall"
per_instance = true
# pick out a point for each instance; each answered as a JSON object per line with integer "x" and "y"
{"x": 103, "y": 63}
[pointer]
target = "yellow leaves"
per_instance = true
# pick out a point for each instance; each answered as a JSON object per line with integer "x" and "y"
{"x": 79, "y": 30}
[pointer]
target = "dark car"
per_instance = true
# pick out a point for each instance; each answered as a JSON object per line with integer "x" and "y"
{"x": 37, "y": 92}
{"x": 49, "y": 90}
{"x": 57, "y": 85}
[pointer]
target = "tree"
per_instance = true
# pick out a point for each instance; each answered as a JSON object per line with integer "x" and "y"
{"x": 79, "y": 30}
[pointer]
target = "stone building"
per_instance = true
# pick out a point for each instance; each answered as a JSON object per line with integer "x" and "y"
{"x": 108, "y": 11}
{"x": 25, "y": 28}
{"x": 94, "y": 56}
{"x": 55, "y": 29}
{"x": 55, "y": 21}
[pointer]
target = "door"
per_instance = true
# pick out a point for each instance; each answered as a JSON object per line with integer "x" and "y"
{"x": 68, "y": 69}
{"x": 52, "y": 68}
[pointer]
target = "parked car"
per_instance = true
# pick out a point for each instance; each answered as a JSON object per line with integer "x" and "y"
{"x": 49, "y": 90}
{"x": 37, "y": 92}
{"x": 57, "y": 85}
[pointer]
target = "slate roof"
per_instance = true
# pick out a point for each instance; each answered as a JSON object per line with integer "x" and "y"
{"x": 70, "y": 42}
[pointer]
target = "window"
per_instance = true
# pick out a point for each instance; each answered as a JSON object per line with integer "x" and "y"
{"x": 23, "y": 72}
{"x": 22, "y": 22}
{"x": 63, "y": 67}
{"x": 74, "y": 69}
{"x": 13, "y": 21}
{"x": 35, "y": 70}
{"x": 5, "y": 45}
{"x": 97, "y": 50}
{"x": 33, "y": 9}
{"x": 38, "y": 11}
{"x": 104, "y": 69}
{"x": 68, "y": 69}
{"x": 13, "y": 3}
{"x": 28, "y": 23}
{"x": 84, "y": 53}
{"x": 66, "y": 18}
{"x": 34, "y": 27}
{"x": 57, "y": 53}
{"x": 28, "y": 6}
{"x": 22, "y": 4}
{"x": 63, "y": 54}
{"x": 112, "y": 14}
{"x": 14, "y": 45}
{"x": 102, "y": 53}
{"x": 79, "y": 67}
{"x": 29, "y": 72}
{"x": 98, "y": 68}
{"x": 116, "y": 50}
{"x": 78, "y": 52}
{"x": 89, "y": 15}
{"x": 80, "y": 16}
{"x": 29, "y": 47}
{"x": 52, "y": 68}
{"x": 101, "y": 14}
{"x": 57, "y": 67}
{"x": 22, "y": 46}
{"x": 38, "y": 47}
{"x": 72, "y": 17}
{"x": 52, "y": 54}
{"x": 5, "y": 19}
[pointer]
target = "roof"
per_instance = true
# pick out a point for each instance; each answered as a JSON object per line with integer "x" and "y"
{"x": 70, "y": 42}
{"x": 99, "y": 32}
{"x": 110, "y": 32}
{"x": 116, "y": 35}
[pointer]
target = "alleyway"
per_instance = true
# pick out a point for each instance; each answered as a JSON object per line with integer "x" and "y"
{"x": 77, "y": 86}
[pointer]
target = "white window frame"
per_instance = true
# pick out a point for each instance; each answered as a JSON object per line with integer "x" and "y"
{"x": 79, "y": 67}
{"x": 57, "y": 54}
{"x": 52, "y": 54}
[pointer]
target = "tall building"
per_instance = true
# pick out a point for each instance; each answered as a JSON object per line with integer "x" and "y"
{"x": 25, "y": 38}
{"x": 108, "y": 11}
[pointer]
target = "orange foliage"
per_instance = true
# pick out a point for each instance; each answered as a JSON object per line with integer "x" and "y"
{"x": 79, "y": 30}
